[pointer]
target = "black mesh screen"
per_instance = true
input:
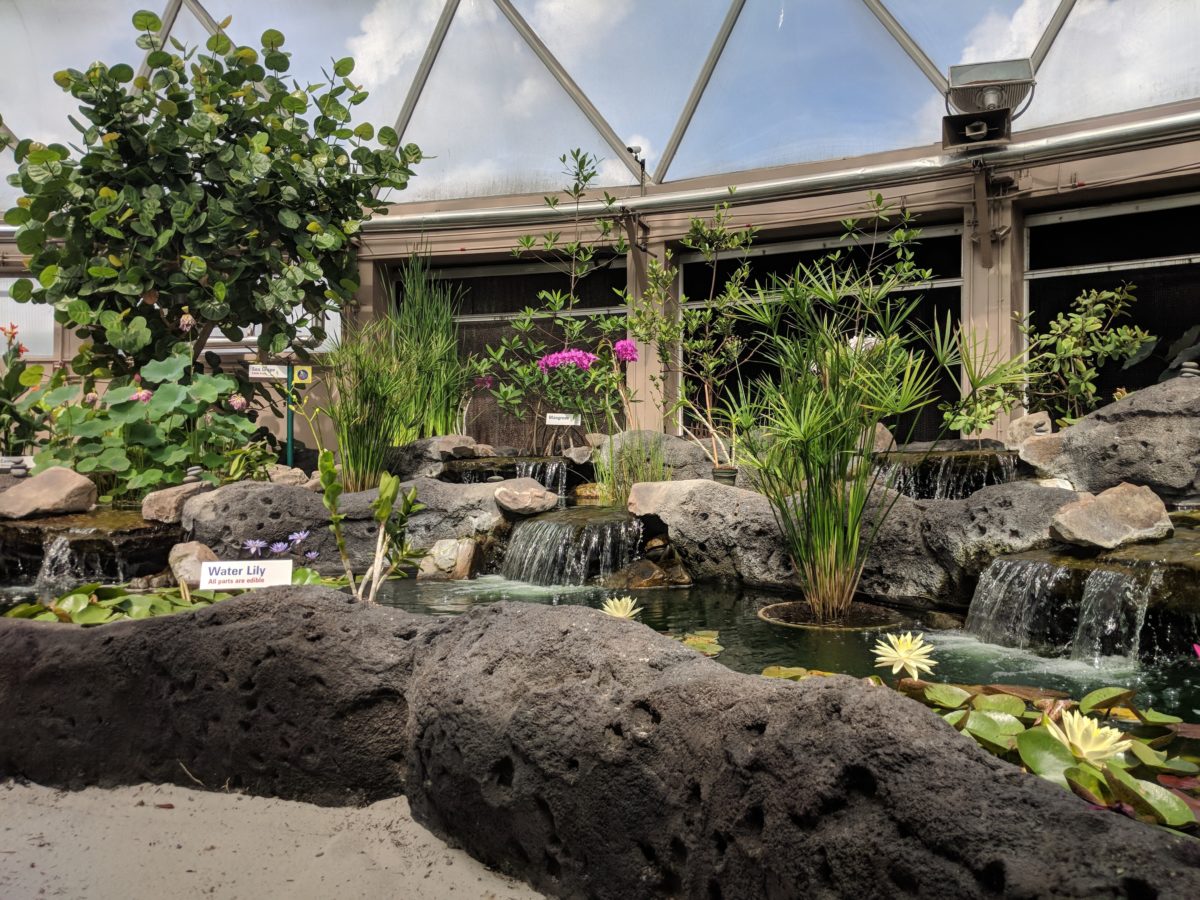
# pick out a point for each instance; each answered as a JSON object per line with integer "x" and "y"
{"x": 1168, "y": 304}
{"x": 1167, "y": 232}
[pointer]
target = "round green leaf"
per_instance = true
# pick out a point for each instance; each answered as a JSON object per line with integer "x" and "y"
{"x": 1149, "y": 801}
{"x": 1105, "y": 698}
{"x": 48, "y": 276}
{"x": 276, "y": 61}
{"x": 121, "y": 73}
{"x": 388, "y": 136}
{"x": 158, "y": 58}
{"x": 21, "y": 290}
{"x": 18, "y": 215}
{"x": 219, "y": 43}
{"x": 144, "y": 20}
{"x": 170, "y": 369}
{"x": 365, "y": 131}
{"x": 343, "y": 66}
{"x": 272, "y": 39}
{"x": 946, "y": 696}
{"x": 1044, "y": 755}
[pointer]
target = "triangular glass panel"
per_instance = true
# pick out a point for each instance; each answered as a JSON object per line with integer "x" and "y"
{"x": 494, "y": 119}
{"x": 39, "y": 40}
{"x": 804, "y": 81}
{"x": 1113, "y": 57}
{"x": 386, "y": 41}
{"x": 189, "y": 31}
{"x": 635, "y": 61}
{"x": 967, "y": 31}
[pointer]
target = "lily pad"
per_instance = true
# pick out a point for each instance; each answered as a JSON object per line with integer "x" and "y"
{"x": 1005, "y": 703}
{"x": 1105, "y": 698}
{"x": 1045, "y": 755}
{"x": 1088, "y": 783}
{"x": 946, "y": 696}
{"x": 1151, "y": 802}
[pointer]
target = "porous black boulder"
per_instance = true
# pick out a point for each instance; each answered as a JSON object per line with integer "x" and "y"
{"x": 586, "y": 754}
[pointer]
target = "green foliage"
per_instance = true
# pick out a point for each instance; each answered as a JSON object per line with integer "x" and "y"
{"x": 1066, "y": 359}
{"x": 598, "y": 393}
{"x": 701, "y": 346}
{"x": 210, "y": 195}
{"x": 249, "y": 463}
{"x": 638, "y": 458}
{"x": 145, "y": 435}
{"x": 391, "y": 509}
{"x": 425, "y": 332}
{"x": 367, "y": 377}
{"x": 987, "y": 383}
{"x": 21, "y": 389}
{"x": 839, "y": 332}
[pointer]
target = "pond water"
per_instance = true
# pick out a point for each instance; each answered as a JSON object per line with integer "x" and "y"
{"x": 752, "y": 644}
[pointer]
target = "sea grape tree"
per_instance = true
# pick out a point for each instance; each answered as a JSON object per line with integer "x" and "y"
{"x": 211, "y": 194}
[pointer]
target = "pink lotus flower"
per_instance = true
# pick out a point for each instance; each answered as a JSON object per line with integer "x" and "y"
{"x": 625, "y": 351}
{"x": 187, "y": 322}
{"x": 581, "y": 359}
{"x": 144, "y": 395}
{"x": 237, "y": 402}
{"x": 91, "y": 398}
{"x": 1196, "y": 647}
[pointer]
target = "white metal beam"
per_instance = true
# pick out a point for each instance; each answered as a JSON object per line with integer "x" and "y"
{"x": 202, "y": 15}
{"x": 908, "y": 45}
{"x": 693, "y": 100}
{"x": 1053, "y": 27}
{"x": 563, "y": 77}
{"x": 425, "y": 66}
{"x": 168, "y": 22}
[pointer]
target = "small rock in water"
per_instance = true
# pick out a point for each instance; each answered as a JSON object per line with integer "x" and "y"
{"x": 494, "y": 478}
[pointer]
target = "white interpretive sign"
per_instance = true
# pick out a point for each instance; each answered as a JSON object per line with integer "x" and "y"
{"x": 245, "y": 573}
{"x": 562, "y": 419}
{"x": 260, "y": 372}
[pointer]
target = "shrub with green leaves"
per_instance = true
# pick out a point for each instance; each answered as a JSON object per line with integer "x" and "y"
{"x": 211, "y": 195}
{"x": 145, "y": 434}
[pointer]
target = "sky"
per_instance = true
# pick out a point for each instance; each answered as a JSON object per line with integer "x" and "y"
{"x": 800, "y": 80}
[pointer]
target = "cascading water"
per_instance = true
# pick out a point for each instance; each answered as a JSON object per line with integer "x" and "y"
{"x": 550, "y": 473}
{"x": 1093, "y": 612}
{"x": 571, "y": 546}
{"x": 946, "y": 476}
{"x": 1015, "y": 600}
{"x": 58, "y": 566}
{"x": 1112, "y": 613}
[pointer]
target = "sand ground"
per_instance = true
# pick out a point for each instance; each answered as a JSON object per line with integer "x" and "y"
{"x": 155, "y": 842}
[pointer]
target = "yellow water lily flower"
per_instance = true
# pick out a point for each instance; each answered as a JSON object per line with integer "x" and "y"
{"x": 1086, "y": 738}
{"x": 905, "y": 652}
{"x": 621, "y": 607}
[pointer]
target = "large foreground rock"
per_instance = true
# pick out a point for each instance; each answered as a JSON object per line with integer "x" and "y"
{"x": 720, "y": 531}
{"x": 1126, "y": 514}
{"x": 588, "y": 755}
{"x": 931, "y": 552}
{"x": 1150, "y": 437}
{"x": 55, "y": 491}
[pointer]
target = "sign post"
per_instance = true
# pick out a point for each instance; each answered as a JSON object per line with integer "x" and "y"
{"x": 291, "y": 422}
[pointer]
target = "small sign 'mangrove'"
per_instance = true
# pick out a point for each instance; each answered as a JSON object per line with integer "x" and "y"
{"x": 562, "y": 418}
{"x": 245, "y": 573}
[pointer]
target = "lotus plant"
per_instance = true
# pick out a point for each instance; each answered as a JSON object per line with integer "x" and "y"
{"x": 621, "y": 607}
{"x": 905, "y": 652}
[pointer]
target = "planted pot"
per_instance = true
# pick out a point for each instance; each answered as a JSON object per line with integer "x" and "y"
{"x": 861, "y": 617}
{"x": 724, "y": 475}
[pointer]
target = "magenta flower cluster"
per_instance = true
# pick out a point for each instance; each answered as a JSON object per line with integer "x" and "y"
{"x": 625, "y": 351}
{"x": 581, "y": 359}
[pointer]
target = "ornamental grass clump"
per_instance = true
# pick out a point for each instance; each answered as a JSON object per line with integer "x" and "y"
{"x": 367, "y": 380}
{"x": 840, "y": 334}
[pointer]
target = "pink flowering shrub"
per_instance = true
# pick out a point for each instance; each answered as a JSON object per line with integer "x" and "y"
{"x": 625, "y": 351}
{"x": 580, "y": 359}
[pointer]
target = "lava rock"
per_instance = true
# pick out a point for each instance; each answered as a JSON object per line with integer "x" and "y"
{"x": 185, "y": 560}
{"x": 1040, "y": 451}
{"x": 578, "y": 455}
{"x": 450, "y": 560}
{"x": 1149, "y": 437}
{"x": 584, "y": 753}
{"x": 931, "y": 552}
{"x": 526, "y": 502}
{"x": 683, "y": 460}
{"x": 1026, "y": 427}
{"x": 281, "y": 474}
{"x": 719, "y": 531}
{"x": 55, "y": 491}
{"x": 460, "y": 510}
{"x": 640, "y": 574}
{"x": 166, "y": 505}
{"x": 424, "y": 458}
{"x": 227, "y": 517}
{"x": 1125, "y": 514}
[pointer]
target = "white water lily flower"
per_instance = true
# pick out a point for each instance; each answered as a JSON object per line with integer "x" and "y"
{"x": 905, "y": 652}
{"x": 621, "y": 607}
{"x": 1086, "y": 738}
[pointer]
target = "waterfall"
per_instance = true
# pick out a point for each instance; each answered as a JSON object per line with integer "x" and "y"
{"x": 57, "y": 569}
{"x": 1015, "y": 601}
{"x": 1112, "y": 614}
{"x": 570, "y": 547}
{"x": 1042, "y": 604}
{"x": 946, "y": 476}
{"x": 550, "y": 473}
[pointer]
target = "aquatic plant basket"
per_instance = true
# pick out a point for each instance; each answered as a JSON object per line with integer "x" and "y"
{"x": 862, "y": 617}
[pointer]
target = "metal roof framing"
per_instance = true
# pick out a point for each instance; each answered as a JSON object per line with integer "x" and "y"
{"x": 693, "y": 100}
{"x": 908, "y": 45}
{"x": 168, "y": 22}
{"x": 425, "y": 66}
{"x": 563, "y": 77}
{"x": 1053, "y": 27}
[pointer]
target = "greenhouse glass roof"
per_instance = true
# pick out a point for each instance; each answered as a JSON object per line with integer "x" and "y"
{"x": 494, "y": 91}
